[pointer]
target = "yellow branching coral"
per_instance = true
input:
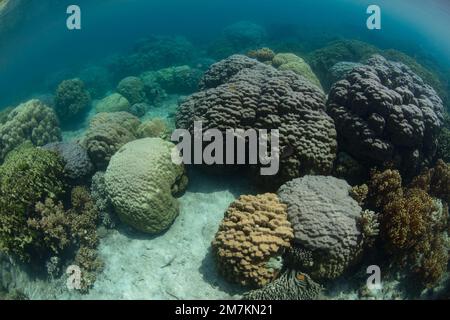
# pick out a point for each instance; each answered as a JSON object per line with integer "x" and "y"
{"x": 435, "y": 181}
{"x": 253, "y": 234}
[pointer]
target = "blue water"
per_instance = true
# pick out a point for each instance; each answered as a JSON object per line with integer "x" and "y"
{"x": 44, "y": 45}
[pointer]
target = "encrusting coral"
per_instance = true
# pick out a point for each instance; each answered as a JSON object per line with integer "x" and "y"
{"x": 148, "y": 203}
{"x": 71, "y": 100}
{"x": 31, "y": 121}
{"x": 252, "y": 236}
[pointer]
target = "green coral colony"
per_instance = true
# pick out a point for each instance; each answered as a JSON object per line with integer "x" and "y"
{"x": 364, "y": 174}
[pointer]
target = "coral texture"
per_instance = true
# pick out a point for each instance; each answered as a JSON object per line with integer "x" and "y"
{"x": 108, "y": 132}
{"x": 290, "y": 285}
{"x": 385, "y": 114}
{"x": 113, "y": 103}
{"x": 243, "y": 93}
{"x": 325, "y": 220}
{"x": 254, "y": 231}
{"x": 132, "y": 88}
{"x": 180, "y": 79}
{"x": 262, "y": 54}
{"x": 31, "y": 121}
{"x": 71, "y": 100}
{"x": 147, "y": 203}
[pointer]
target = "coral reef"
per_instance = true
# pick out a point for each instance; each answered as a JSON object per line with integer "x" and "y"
{"x": 289, "y": 61}
{"x": 102, "y": 202}
{"x": 290, "y": 285}
{"x": 262, "y": 54}
{"x": 71, "y": 100}
{"x": 155, "y": 128}
{"x": 443, "y": 149}
{"x": 31, "y": 121}
{"x": 240, "y": 92}
{"x": 153, "y": 54}
{"x": 148, "y": 203}
{"x": 251, "y": 238}
{"x": 347, "y": 168}
{"x": 132, "y": 88}
{"x": 413, "y": 226}
{"x": 113, "y": 103}
{"x": 435, "y": 181}
{"x": 108, "y": 132}
{"x": 78, "y": 166}
{"x": 28, "y": 175}
{"x": 325, "y": 220}
{"x": 180, "y": 79}
{"x": 341, "y": 69}
{"x": 321, "y": 60}
{"x": 384, "y": 114}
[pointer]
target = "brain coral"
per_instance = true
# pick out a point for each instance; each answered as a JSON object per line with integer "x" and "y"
{"x": 78, "y": 165}
{"x": 385, "y": 114}
{"x": 31, "y": 121}
{"x": 291, "y": 285}
{"x": 71, "y": 99}
{"x": 108, "y": 132}
{"x": 141, "y": 180}
{"x": 251, "y": 238}
{"x": 240, "y": 92}
{"x": 325, "y": 220}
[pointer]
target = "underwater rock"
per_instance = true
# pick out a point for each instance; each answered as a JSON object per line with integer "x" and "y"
{"x": 240, "y": 92}
{"x": 132, "y": 88}
{"x": 78, "y": 166}
{"x": 113, "y": 103}
{"x": 31, "y": 121}
{"x": 251, "y": 239}
{"x": 325, "y": 219}
{"x": 385, "y": 114}
{"x": 71, "y": 100}
{"x": 289, "y": 61}
{"x": 290, "y": 285}
{"x": 108, "y": 132}
{"x": 148, "y": 203}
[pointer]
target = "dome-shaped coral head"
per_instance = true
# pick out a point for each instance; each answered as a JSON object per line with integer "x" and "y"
{"x": 384, "y": 113}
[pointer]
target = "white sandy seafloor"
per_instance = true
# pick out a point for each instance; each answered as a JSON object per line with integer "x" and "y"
{"x": 173, "y": 265}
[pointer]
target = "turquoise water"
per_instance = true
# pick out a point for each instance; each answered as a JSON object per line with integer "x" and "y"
{"x": 381, "y": 117}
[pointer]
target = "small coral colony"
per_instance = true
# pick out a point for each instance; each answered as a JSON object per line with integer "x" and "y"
{"x": 364, "y": 173}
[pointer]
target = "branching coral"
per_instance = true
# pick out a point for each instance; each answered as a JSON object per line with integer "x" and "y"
{"x": 435, "y": 181}
{"x": 255, "y": 230}
{"x": 31, "y": 121}
{"x": 28, "y": 176}
{"x": 413, "y": 225}
{"x": 71, "y": 100}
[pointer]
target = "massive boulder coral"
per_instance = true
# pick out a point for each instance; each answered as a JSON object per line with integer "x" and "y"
{"x": 290, "y": 61}
{"x": 385, "y": 114}
{"x": 251, "y": 239}
{"x": 78, "y": 166}
{"x": 325, "y": 219}
{"x": 242, "y": 93}
{"x": 141, "y": 181}
{"x": 133, "y": 89}
{"x": 180, "y": 79}
{"x": 71, "y": 100}
{"x": 31, "y": 121}
{"x": 108, "y": 132}
{"x": 113, "y": 103}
